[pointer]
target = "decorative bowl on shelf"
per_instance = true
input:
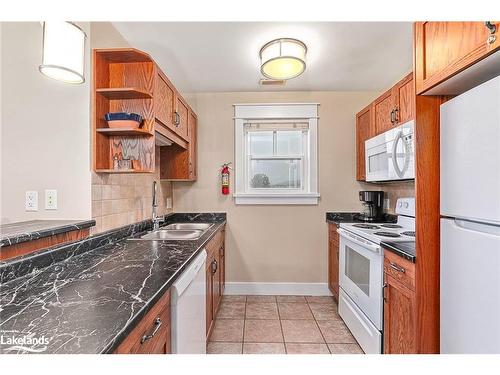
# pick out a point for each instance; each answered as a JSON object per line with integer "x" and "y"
{"x": 123, "y": 120}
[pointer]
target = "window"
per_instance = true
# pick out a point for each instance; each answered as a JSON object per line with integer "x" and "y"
{"x": 276, "y": 154}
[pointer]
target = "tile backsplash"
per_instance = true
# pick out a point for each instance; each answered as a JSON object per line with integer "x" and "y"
{"x": 121, "y": 199}
{"x": 396, "y": 190}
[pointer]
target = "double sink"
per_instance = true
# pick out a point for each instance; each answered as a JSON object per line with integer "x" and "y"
{"x": 178, "y": 231}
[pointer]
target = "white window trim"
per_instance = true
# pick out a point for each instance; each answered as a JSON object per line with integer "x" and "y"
{"x": 305, "y": 112}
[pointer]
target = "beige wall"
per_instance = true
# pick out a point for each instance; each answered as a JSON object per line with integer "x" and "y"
{"x": 276, "y": 243}
{"x": 45, "y": 132}
{"x": 121, "y": 199}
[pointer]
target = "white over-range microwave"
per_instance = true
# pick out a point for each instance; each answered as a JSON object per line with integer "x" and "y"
{"x": 390, "y": 156}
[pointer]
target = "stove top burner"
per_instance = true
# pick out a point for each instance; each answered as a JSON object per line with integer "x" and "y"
{"x": 392, "y": 226}
{"x": 387, "y": 234}
{"x": 366, "y": 226}
{"x": 409, "y": 233}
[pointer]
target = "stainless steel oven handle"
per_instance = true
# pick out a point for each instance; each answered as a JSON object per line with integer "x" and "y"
{"x": 351, "y": 237}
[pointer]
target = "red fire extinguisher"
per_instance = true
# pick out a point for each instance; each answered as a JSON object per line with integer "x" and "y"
{"x": 225, "y": 178}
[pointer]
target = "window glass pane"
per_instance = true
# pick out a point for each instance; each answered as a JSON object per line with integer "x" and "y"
{"x": 275, "y": 174}
{"x": 289, "y": 143}
{"x": 261, "y": 143}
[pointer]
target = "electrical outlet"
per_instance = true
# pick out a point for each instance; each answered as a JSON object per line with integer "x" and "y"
{"x": 169, "y": 203}
{"x": 51, "y": 199}
{"x": 387, "y": 204}
{"x": 31, "y": 200}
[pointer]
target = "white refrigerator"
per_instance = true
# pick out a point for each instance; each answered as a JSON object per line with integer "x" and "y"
{"x": 470, "y": 221}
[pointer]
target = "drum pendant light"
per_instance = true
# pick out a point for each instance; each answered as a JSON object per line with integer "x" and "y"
{"x": 63, "y": 54}
{"x": 283, "y": 58}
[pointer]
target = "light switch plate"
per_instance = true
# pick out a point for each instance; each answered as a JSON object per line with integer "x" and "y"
{"x": 51, "y": 199}
{"x": 31, "y": 200}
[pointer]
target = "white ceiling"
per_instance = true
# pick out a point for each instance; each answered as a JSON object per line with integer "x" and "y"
{"x": 217, "y": 56}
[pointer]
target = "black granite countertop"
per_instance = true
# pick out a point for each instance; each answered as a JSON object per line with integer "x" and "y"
{"x": 23, "y": 231}
{"x": 354, "y": 217}
{"x": 405, "y": 249}
{"x": 87, "y": 296}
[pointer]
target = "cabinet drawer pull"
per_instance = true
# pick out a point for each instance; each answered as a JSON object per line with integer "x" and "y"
{"x": 394, "y": 266}
{"x": 158, "y": 324}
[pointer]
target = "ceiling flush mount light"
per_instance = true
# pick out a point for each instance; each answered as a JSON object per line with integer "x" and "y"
{"x": 283, "y": 58}
{"x": 63, "y": 53}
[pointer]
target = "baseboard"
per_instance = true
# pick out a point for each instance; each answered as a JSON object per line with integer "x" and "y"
{"x": 297, "y": 289}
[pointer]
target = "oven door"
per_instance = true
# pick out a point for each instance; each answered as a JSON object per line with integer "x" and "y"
{"x": 361, "y": 274}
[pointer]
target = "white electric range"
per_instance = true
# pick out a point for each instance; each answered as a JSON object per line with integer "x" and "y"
{"x": 361, "y": 272}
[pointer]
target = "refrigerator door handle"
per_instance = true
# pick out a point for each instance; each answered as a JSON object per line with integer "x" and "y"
{"x": 478, "y": 227}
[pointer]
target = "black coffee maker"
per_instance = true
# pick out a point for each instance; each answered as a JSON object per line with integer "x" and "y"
{"x": 373, "y": 205}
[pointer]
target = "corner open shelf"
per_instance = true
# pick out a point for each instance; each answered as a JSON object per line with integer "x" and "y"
{"x": 121, "y": 171}
{"x": 129, "y": 132}
{"x": 124, "y": 93}
{"x": 123, "y": 81}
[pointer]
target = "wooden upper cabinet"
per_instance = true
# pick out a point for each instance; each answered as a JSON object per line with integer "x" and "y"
{"x": 396, "y": 106}
{"x": 181, "y": 116}
{"x": 404, "y": 96}
{"x": 443, "y": 49}
{"x": 383, "y": 107}
{"x": 164, "y": 101}
{"x": 364, "y": 131}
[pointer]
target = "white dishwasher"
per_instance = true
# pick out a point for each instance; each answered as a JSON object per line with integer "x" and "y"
{"x": 188, "y": 309}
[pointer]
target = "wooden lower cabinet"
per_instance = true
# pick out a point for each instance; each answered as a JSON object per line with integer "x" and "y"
{"x": 215, "y": 277}
{"x": 152, "y": 335}
{"x": 333, "y": 260}
{"x": 399, "y": 305}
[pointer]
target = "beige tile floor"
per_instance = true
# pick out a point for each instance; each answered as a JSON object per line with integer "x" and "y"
{"x": 280, "y": 325}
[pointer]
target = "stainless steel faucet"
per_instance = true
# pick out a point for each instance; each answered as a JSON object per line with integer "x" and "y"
{"x": 156, "y": 220}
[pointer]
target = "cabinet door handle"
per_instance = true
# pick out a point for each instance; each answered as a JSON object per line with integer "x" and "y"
{"x": 214, "y": 266}
{"x": 396, "y": 115}
{"x": 394, "y": 266}
{"x": 384, "y": 288}
{"x": 147, "y": 337}
{"x": 392, "y": 117}
{"x": 177, "y": 118}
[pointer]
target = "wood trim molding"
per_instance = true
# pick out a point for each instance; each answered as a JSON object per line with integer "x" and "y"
{"x": 28, "y": 247}
{"x": 427, "y": 187}
{"x": 297, "y": 289}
